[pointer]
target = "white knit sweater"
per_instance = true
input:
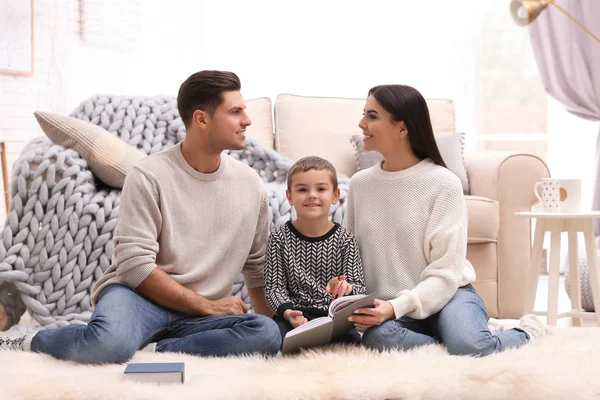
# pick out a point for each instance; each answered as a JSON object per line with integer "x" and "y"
{"x": 411, "y": 228}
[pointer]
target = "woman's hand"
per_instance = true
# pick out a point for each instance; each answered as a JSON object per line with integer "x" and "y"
{"x": 295, "y": 317}
{"x": 368, "y": 317}
{"x": 338, "y": 287}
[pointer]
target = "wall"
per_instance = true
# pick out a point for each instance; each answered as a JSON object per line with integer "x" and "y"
{"x": 20, "y": 96}
{"x": 343, "y": 48}
{"x": 321, "y": 48}
{"x": 68, "y": 69}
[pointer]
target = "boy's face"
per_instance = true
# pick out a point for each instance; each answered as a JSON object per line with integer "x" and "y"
{"x": 227, "y": 126}
{"x": 312, "y": 194}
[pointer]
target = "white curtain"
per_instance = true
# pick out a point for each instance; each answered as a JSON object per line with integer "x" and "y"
{"x": 569, "y": 63}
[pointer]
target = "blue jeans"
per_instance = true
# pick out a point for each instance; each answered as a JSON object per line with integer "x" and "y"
{"x": 124, "y": 322}
{"x": 462, "y": 326}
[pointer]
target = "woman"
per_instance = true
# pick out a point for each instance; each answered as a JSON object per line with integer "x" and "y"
{"x": 410, "y": 219}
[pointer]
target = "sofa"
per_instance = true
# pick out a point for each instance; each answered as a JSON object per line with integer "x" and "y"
{"x": 500, "y": 183}
{"x": 57, "y": 237}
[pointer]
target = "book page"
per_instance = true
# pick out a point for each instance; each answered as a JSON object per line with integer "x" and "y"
{"x": 340, "y": 318}
{"x": 343, "y": 302}
{"x": 312, "y": 334}
{"x": 155, "y": 377}
{"x": 309, "y": 325}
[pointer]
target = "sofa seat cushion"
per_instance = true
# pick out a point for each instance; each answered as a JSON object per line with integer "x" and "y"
{"x": 322, "y": 126}
{"x": 451, "y": 148}
{"x": 484, "y": 219}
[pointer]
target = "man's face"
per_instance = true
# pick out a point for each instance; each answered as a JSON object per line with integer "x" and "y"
{"x": 227, "y": 126}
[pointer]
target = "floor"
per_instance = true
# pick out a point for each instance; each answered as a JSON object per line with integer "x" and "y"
{"x": 564, "y": 304}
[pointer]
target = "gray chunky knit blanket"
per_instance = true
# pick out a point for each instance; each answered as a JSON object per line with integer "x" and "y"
{"x": 57, "y": 238}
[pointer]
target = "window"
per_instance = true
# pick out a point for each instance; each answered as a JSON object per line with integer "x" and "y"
{"x": 511, "y": 100}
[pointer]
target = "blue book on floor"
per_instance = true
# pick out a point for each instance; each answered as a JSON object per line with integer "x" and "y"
{"x": 156, "y": 372}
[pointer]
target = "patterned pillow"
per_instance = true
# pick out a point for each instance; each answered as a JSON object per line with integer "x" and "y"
{"x": 108, "y": 156}
{"x": 451, "y": 148}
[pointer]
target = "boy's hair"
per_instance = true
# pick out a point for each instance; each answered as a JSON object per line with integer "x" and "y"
{"x": 204, "y": 91}
{"x": 309, "y": 163}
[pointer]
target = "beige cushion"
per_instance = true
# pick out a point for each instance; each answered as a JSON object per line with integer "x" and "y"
{"x": 484, "y": 219}
{"x": 261, "y": 129}
{"x": 108, "y": 156}
{"x": 451, "y": 148}
{"x": 322, "y": 126}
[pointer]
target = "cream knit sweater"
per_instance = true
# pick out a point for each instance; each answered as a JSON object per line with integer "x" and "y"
{"x": 411, "y": 228}
{"x": 201, "y": 229}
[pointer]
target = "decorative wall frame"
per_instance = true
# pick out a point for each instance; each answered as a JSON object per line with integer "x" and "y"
{"x": 16, "y": 37}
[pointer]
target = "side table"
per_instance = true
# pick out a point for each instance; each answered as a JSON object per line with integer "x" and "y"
{"x": 555, "y": 223}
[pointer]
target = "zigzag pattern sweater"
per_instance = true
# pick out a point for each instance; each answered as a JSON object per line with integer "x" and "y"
{"x": 298, "y": 268}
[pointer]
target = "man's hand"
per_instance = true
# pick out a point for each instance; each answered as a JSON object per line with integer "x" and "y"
{"x": 227, "y": 306}
{"x": 368, "y": 317}
{"x": 294, "y": 317}
{"x": 338, "y": 287}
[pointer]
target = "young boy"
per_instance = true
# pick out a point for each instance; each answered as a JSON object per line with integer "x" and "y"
{"x": 311, "y": 260}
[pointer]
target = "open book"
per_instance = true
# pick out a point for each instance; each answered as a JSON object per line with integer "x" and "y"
{"x": 323, "y": 330}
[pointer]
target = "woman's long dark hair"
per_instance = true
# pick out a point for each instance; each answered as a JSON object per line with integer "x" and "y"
{"x": 406, "y": 104}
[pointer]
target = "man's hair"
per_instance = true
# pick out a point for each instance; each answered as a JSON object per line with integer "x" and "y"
{"x": 204, "y": 91}
{"x": 309, "y": 163}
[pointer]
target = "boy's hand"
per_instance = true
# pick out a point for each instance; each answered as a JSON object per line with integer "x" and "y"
{"x": 294, "y": 317}
{"x": 338, "y": 287}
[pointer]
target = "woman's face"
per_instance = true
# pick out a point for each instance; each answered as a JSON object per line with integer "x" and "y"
{"x": 380, "y": 132}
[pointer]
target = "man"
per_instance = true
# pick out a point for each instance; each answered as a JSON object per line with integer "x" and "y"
{"x": 191, "y": 219}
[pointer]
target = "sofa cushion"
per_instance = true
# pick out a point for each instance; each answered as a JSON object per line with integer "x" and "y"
{"x": 484, "y": 219}
{"x": 321, "y": 126}
{"x": 451, "y": 149}
{"x": 259, "y": 111}
{"x": 109, "y": 157}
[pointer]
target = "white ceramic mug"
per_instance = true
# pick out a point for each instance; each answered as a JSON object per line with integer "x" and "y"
{"x": 559, "y": 195}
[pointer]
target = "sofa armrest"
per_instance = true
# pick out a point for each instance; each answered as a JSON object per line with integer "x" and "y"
{"x": 506, "y": 176}
{"x": 509, "y": 178}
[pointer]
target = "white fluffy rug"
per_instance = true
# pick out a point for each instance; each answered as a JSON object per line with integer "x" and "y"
{"x": 565, "y": 365}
